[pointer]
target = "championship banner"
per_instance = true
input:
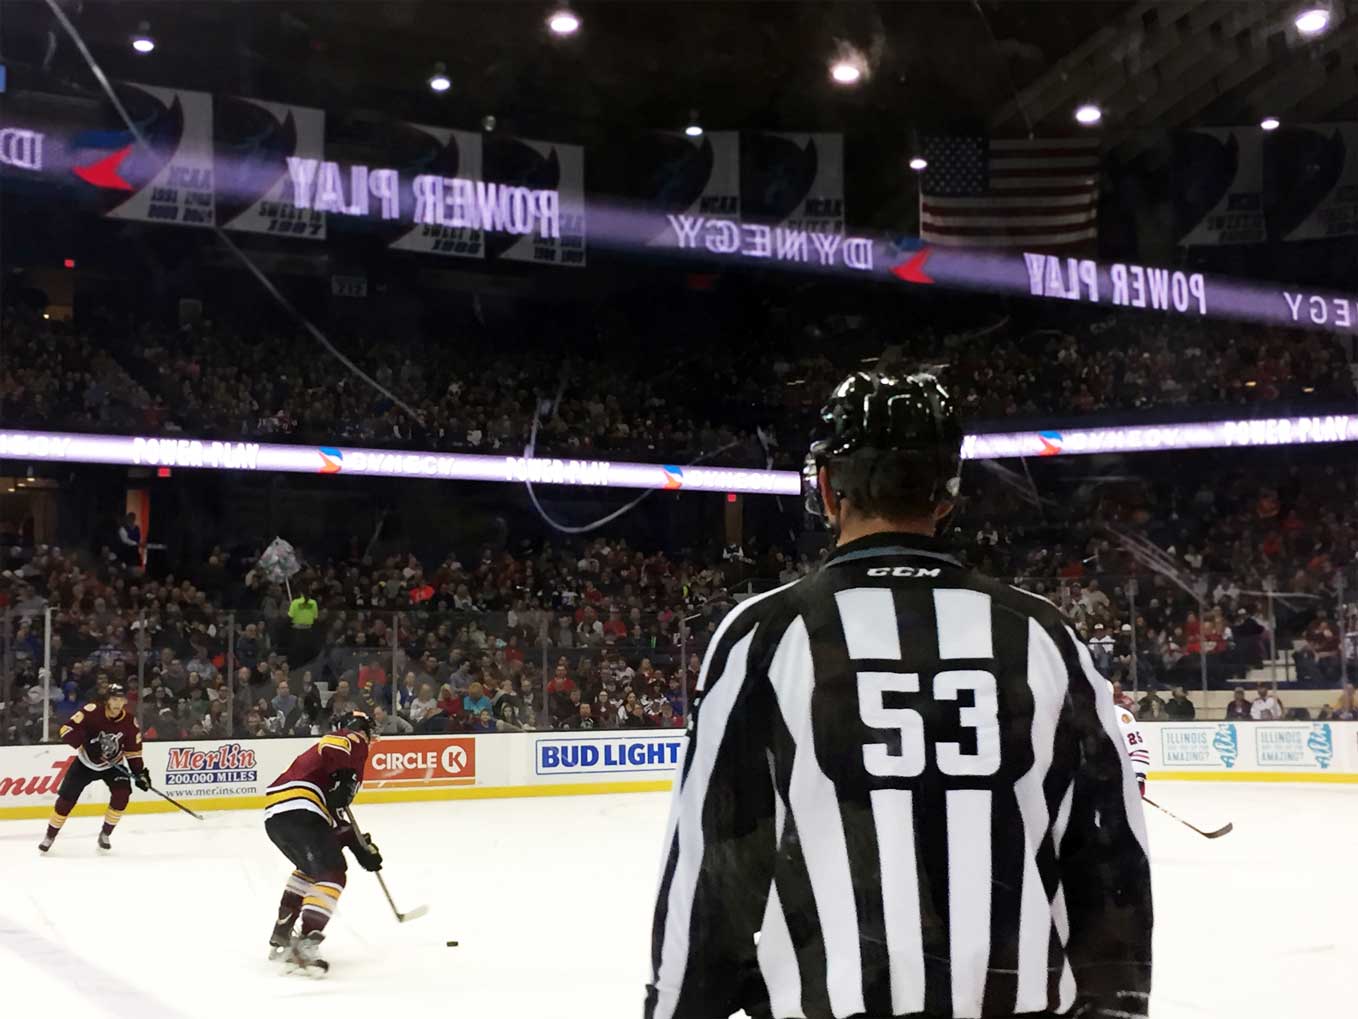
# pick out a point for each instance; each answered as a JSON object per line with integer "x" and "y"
{"x": 438, "y": 151}
{"x": 1316, "y": 169}
{"x": 170, "y": 183}
{"x": 694, "y": 176}
{"x": 1219, "y": 192}
{"x": 541, "y": 166}
{"x": 254, "y": 190}
{"x": 793, "y": 180}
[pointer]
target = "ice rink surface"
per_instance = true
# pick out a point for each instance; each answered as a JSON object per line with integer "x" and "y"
{"x": 551, "y": 898}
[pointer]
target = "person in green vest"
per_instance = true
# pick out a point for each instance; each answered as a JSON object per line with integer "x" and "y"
{"x": 302, "y": 613}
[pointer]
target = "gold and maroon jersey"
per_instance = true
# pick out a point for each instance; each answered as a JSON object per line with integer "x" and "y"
{"x": 304, "y": 784}
{"x": 118, "y": 736}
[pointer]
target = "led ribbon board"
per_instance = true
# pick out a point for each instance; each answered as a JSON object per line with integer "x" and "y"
{"x": 203, "y": 454}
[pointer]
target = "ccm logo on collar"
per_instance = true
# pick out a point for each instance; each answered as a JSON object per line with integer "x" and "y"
{"x": 903, "y": 571}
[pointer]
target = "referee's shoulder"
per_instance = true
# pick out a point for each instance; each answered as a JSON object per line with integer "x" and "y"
{"x": 1011, "y": 598}
{"x": 761, "y": 608}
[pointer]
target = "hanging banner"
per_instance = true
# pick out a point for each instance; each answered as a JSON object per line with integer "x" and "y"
{"x": 541, "y": 166}
{"x": 1219, "y": 188}
{"x": 1316, "y": 169}
{"x": 255, "y": 139}
{"x": 437, "y": 152}
{"x": 793, "y": 180}
{"x": 691, "y": 176}
{"x": 170, "y": 180}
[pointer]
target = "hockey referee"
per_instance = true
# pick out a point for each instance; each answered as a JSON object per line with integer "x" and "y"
{"x": 904, "y": 792}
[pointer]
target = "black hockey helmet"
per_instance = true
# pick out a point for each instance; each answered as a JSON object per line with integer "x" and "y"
{"x": 355, "y": 721}
{"x": 909, "y": 416}
{"x": 115, "y": 690}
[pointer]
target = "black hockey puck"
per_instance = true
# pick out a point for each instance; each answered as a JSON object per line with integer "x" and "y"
{"x": 452, "y": 944}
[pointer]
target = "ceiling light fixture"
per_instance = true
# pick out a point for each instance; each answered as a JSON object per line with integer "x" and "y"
{"x": 1270, "y": 123}
{"x": 142, "y": 42}
{"x": 1088, "y": 114}
{"x": 563, "y": 21}
{"x": 439, "y": 80}
{"x": 1312, "y": 20}
{"x": 845, "y": 72}
{"x": 918, "y": 163}
{"x": 694, "y": 129}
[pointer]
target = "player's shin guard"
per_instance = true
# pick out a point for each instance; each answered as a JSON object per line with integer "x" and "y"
{"x": 289, "y": 909}
{"x": 318, "y": 906}
{"x": 116, "y": 805}
{"x": 60, "y": 812}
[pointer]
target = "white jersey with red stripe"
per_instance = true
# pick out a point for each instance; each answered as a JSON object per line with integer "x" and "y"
{"x": 1134, "y": 742}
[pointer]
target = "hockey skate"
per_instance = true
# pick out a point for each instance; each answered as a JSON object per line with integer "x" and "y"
{"x": 280, "y": 941}
{"x": 105, "y": 846}
{"x": 46, "y": 843}
{"x": 304, "y": 956}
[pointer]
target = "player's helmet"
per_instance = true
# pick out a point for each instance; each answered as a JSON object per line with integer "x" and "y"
{"x": 115, "y": 690}
{"x": 869, "y": 414}
{"x": 355, "y": 721}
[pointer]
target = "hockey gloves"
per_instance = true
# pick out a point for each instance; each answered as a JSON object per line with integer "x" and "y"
{"x": 366, "y": 853}
{"x": 143, "y": 780}
{"x": 343, "y": 789}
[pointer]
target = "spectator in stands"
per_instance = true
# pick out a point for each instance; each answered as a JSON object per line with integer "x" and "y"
{"x": 390, "y": 725}
{"x": 311, "y": 700}
{"x": 582, "y": 719}
{"x": 1151, "y": 708}
{"x": 1321, "y": 660}
{"x": 1266, "y": 707}
{"x": 482, "y": 722}
{"x": 423, "y": 706}
{"x": 407, "y": 694}
{"x": 1248, "y": 634}
{"x": 1180, "y": 708}
{"x": 129, "y": 540}
{"x": 1123, "y": 699}
{"x": 1101, "y": 649}
{"x": 476, "y": 700}
{"x": 667, "y": 718}
{"x": 605, "y": 710}
{"x": 508, "y": 719}
{"x": 1094, "y": 601}
{"x": 71, "y": 702}
{"x": 614, "y": 628}
{"x": 286, "y": 704}
{"x": 248, "y": 647}
{"x": 1346, "y": 708}
{"x": 504, "y": 695}
{"x": 558, "y": 693}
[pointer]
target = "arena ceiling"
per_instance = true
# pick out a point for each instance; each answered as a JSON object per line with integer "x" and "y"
{"x": 1006, "y": 67}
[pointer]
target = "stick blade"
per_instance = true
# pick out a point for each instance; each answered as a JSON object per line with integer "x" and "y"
{"x": 414, "y": 914}
{"x": 1225, "y": 829}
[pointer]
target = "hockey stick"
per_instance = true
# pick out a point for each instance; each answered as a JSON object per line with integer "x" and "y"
{"x": 415, "y": 913}
{"x": 123, "y": 769}
{"x": 1223, "y": 830}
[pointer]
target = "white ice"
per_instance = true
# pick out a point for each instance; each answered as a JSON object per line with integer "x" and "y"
{"x": 551, "y": 898}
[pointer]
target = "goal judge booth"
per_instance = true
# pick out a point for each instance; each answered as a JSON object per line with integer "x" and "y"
{"x": 904, "y": 791}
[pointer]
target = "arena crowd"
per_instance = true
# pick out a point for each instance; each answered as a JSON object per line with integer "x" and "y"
{"x": 747, "y": 404}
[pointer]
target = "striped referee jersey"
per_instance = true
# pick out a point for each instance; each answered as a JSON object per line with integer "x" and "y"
{"x": 903, "y": 794}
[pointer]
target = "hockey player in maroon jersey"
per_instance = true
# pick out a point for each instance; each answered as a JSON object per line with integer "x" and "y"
{"x": 107, "y": 741}
{"x": 302, "y": 816}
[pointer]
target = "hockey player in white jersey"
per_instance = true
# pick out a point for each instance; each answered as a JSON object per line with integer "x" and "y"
{"x": 1134, "y": 742}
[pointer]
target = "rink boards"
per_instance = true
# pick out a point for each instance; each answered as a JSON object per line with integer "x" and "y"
{"x": 232, "y": 775}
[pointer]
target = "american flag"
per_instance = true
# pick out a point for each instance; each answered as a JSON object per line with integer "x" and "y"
{"x": 990, "y": 193}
